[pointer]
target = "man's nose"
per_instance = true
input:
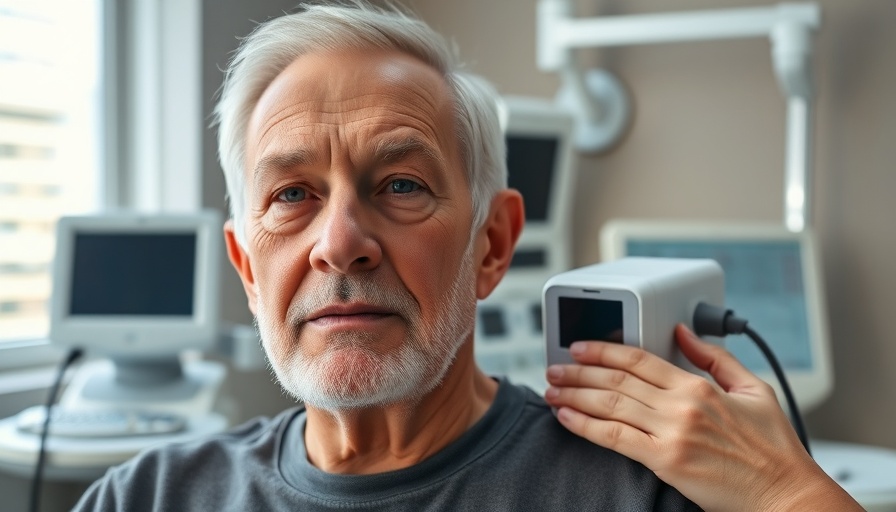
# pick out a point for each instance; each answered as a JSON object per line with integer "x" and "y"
{"x": 346, "y": 244}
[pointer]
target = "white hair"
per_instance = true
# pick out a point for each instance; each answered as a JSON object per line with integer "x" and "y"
{"x": 275, "y": 44}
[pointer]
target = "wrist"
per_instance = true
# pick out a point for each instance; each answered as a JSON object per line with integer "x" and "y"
{"x": 812, "y": 490}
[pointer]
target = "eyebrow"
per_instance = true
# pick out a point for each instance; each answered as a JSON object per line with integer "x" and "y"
{"x": 386, "y": 151}
{"x": 392, "y": 150}
{"x": 281, "y": 162}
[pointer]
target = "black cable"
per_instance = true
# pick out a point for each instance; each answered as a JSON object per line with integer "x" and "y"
{"x": 716, "y": 321}
{"x": 795, "y": 416}
{"x": 70, "y": 358}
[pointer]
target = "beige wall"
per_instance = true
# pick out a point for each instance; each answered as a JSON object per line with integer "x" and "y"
{"x": 708, "y": 142}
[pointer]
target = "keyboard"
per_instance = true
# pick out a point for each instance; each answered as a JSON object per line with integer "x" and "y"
{"x": 99, "y": 423}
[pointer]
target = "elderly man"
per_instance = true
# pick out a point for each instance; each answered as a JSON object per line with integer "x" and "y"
{"x": 367, "y": 184}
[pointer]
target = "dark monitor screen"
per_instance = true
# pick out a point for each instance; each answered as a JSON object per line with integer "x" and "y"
{"x": 492, "y": 322}
{"x": 133, "y": 274}
{"x": 589, "y": 319}
{"x": 530, "y": 169}
{"x": 529, "y": 258}
{"x": 763, "y": 283}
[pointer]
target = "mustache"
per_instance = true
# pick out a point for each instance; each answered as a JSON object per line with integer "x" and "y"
{"x": 364, "y": 288}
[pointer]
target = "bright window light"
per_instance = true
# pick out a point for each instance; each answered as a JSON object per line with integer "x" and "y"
{"x": 50, "y": 142}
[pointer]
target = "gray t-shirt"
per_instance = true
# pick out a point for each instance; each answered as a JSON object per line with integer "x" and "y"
{"x": 517, "y": 457}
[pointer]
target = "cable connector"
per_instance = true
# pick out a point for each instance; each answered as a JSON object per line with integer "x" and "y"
{"x": 715, "y": 321}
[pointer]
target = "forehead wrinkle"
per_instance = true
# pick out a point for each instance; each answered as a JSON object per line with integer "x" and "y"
{"x": 269, "y": 120}
{"x": 362, "y": 108}
{"x": 328, "y": 112}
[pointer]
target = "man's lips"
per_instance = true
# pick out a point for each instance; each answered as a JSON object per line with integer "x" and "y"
{"x": 348, "y": 312}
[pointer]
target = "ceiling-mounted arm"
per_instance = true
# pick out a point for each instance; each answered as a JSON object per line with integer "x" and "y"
{"x": 788, "y": 26}
{"x": 598, "y": 101}
{"x": 792, "y": 56}
{"x": 559, "y": 30}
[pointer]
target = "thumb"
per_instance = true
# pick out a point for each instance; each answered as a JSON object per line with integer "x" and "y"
{"x": 718, "y": 362}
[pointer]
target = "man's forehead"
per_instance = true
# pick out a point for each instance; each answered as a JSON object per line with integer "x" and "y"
{"x": 337, "y": 80}
{"x": 335, "y": 88}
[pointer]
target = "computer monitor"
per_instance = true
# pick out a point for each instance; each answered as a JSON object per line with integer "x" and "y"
{"x": 772, "y": 279}
{"x": 136, "y": 287}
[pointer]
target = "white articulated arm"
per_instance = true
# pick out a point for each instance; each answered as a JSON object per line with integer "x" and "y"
{"x": 601, "y": 104}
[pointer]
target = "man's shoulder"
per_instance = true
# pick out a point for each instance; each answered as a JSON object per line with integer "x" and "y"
{"x": 541, "y": 433}
{"x": 536, "y": 437}
{"x": 544, "y": 466}
{"x": 171, "y": 472}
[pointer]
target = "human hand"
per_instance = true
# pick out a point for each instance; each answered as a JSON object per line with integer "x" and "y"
{"x": 725, "y": 445}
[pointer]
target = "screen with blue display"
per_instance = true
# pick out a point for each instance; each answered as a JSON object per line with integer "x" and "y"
{"x": 763, "y": 283}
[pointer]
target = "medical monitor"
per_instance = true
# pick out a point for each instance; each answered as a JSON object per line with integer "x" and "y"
{"x": 133, "y": 286}
{"x": 772, "y": 278}
{"x": 541, "y": 165}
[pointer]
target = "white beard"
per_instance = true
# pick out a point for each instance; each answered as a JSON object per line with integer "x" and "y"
{"x": 350, "y": 373}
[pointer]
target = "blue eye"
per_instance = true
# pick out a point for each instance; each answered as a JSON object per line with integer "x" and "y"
{"x": 292, "y": 195}
{"x": 402, "y": 186}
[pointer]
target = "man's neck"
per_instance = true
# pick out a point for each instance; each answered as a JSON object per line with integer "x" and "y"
{"x": 375, "y": 440}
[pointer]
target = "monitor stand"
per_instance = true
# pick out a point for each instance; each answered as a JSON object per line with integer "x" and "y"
{"x": 164, "y": 384}
{"x": 188, "y": 388}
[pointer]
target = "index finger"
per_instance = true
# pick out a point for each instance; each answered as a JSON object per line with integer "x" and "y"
{"x": 636, "y": 361}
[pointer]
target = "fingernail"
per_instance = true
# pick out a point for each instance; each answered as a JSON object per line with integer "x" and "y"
{"x": 552, "y": 393}
{"x": 577, "y": 348}
{"x": 555, "y": 372}
{"x": 564, "y": 415}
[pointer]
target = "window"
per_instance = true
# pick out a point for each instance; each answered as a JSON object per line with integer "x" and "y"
{"x": 100, "y": 107}
{"x": 50, "y": 142}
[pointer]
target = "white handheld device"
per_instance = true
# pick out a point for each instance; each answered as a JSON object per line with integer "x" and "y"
{"x": 635, "y": 301}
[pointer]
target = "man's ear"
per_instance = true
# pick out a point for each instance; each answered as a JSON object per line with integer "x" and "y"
{"x": 496, "y": 240}
{"x": 241, "y": 263}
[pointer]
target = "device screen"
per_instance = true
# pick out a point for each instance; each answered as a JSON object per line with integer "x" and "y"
{"x": 530, "y": 169}
{"x": 128, "y": 274}
{"x": 590, "y": 319}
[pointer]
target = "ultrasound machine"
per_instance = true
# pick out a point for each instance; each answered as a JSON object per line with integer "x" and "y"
{"x": 541, "y": 165}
